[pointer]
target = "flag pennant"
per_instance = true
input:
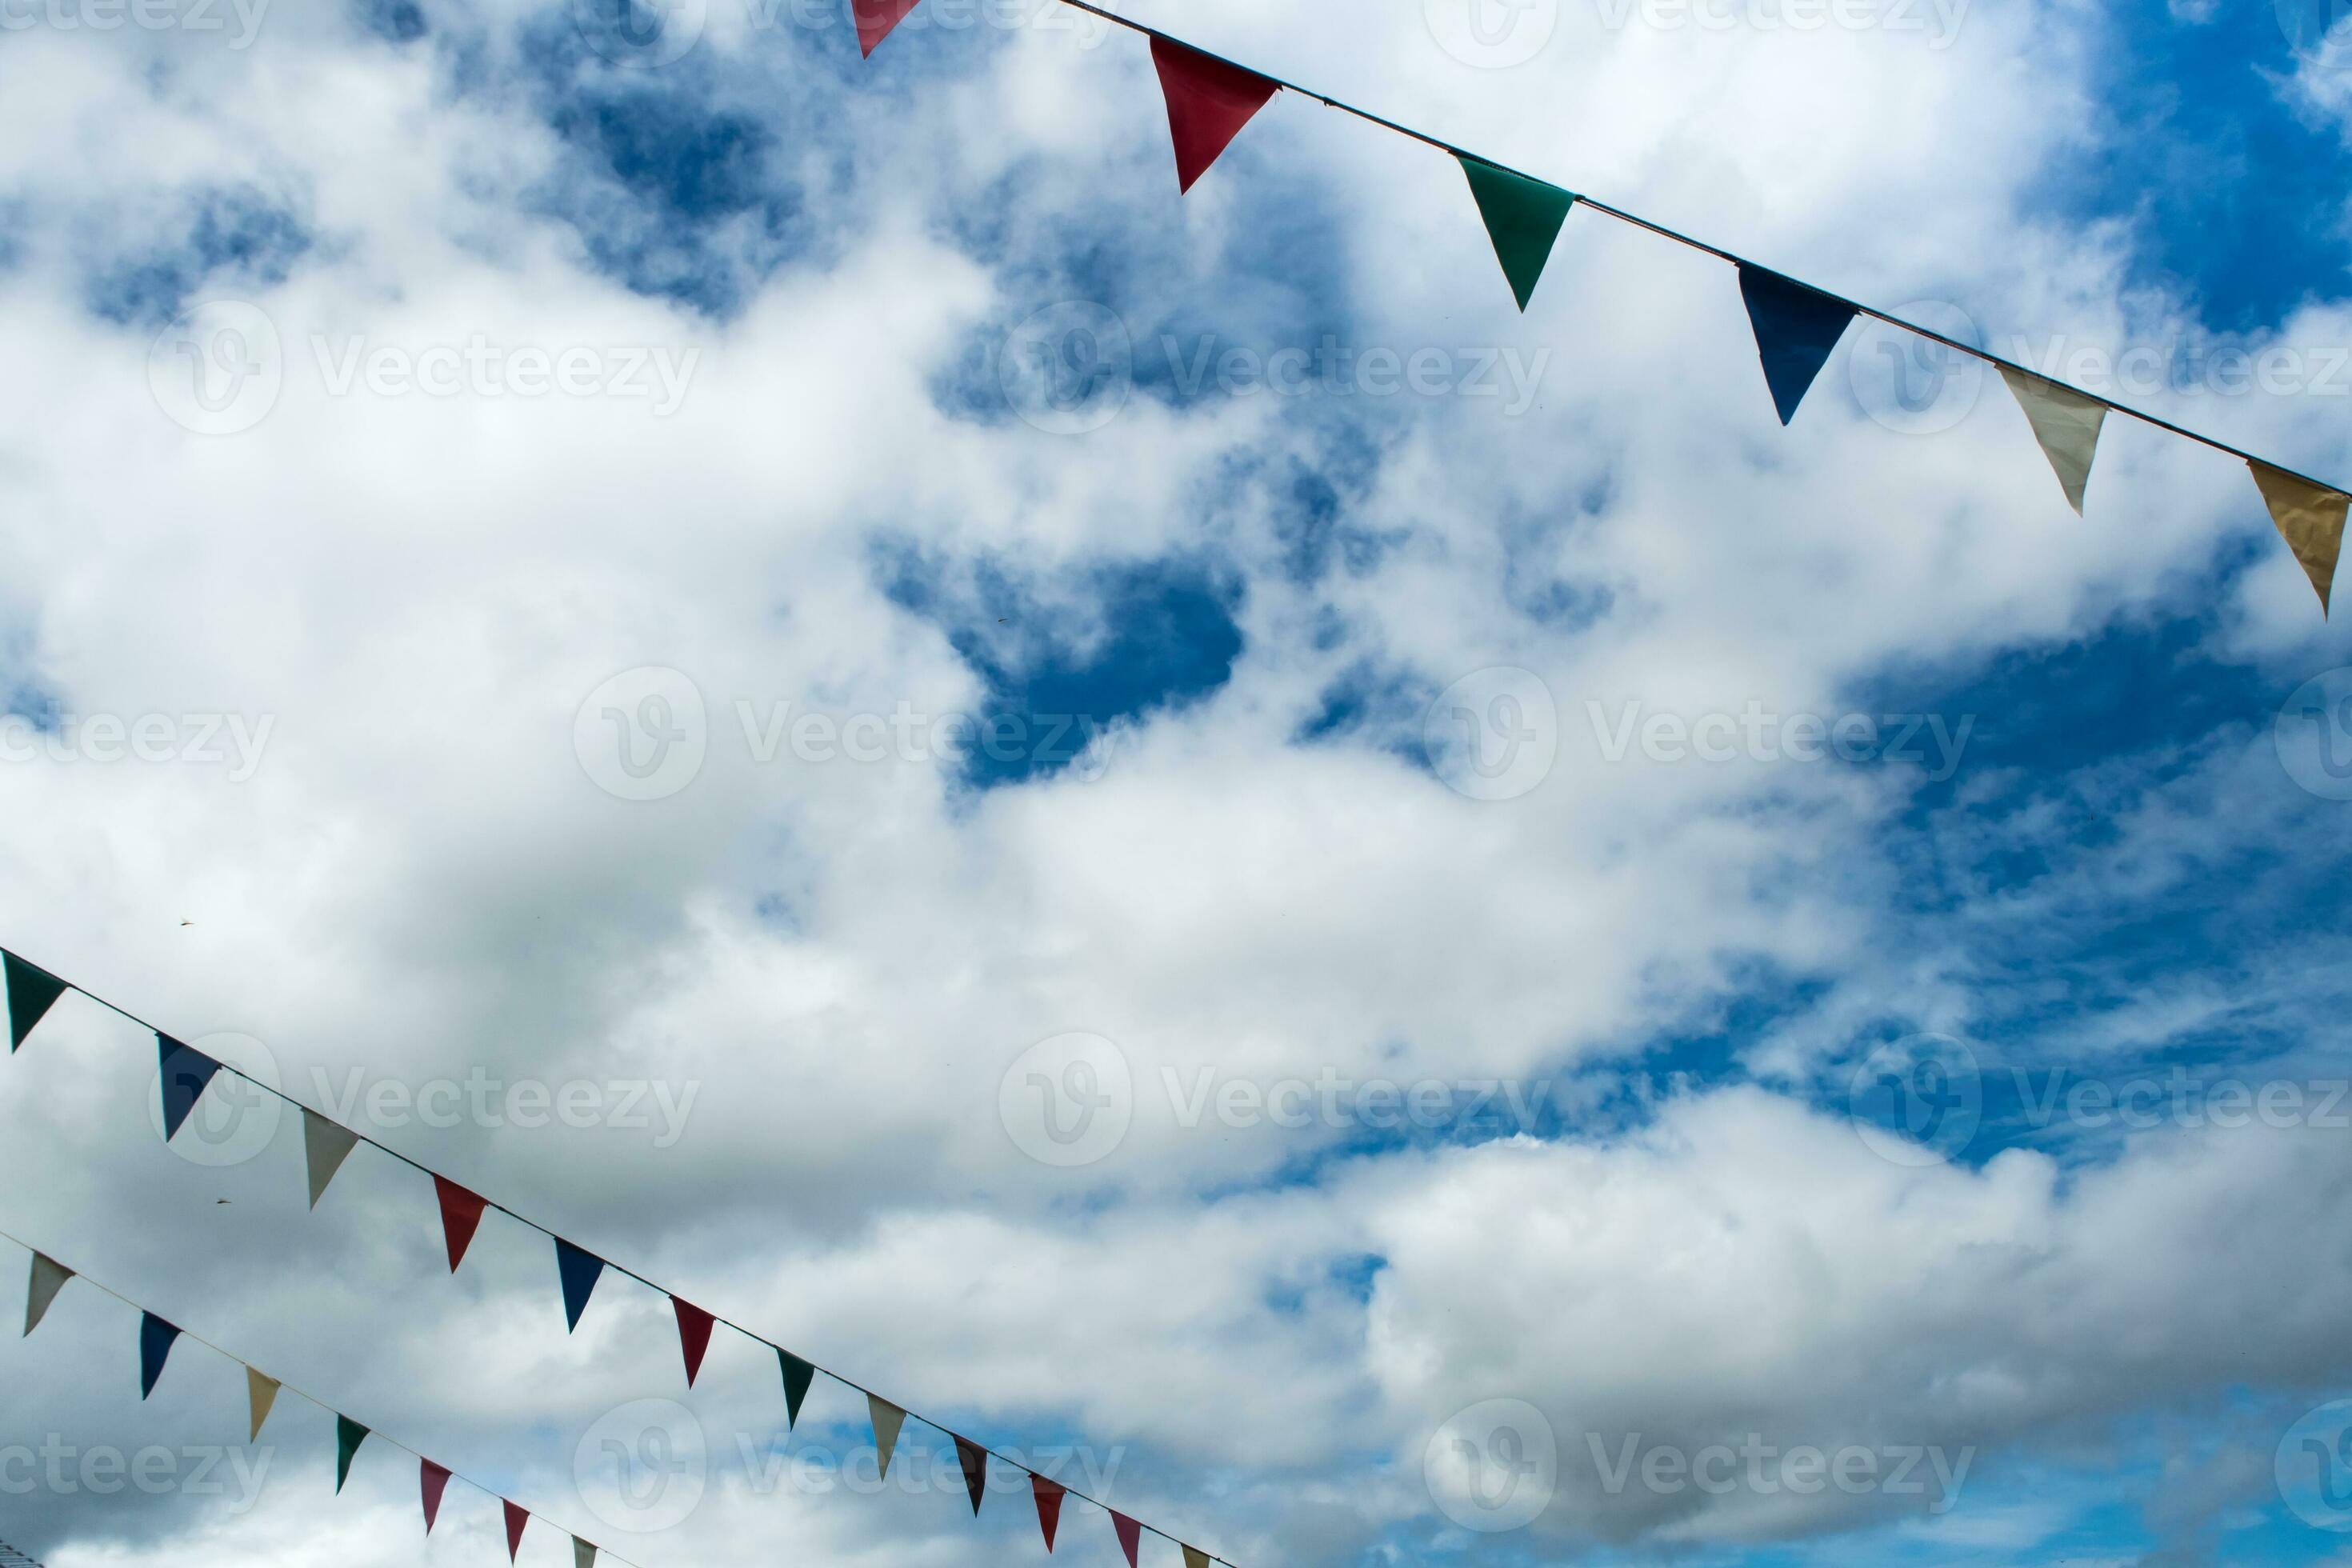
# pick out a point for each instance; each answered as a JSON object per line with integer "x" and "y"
{"x": 1049, "y": 1506}
{"x": 49, "y": 1277}
{"x": 461, "y": 1216}
{"x": 1195, "y": 1558}
{"x": 260, "y": 1395}
{"x": 1523, "y": 217}
{"x": 2065, "y": 422}
{"x": 1130, "y": 1535}
{"x": 186, "y": 1070}
{"x": 349, "y": 1436}
{"x": 516, "y": 1518}
{"x": 434, "y": 1481}
{"x": 1796, "y": 326}
{"x": 975, "y": 1470}
{"x": 886, "y": 1418}
{"x": 32, "y": 991}
{"x": 2311, "y": 520}
{"x": 580, "y": 1271}
{"x": 1208, "y": 101}
{"x": 325, "y": 1146}
{"x": 582, "y": 1554}
{"x": 875, "y": 20}
{"x": 693, "y": 1335}
{"x": 798, "y": 1376}
{"x": 155, "y": 1337}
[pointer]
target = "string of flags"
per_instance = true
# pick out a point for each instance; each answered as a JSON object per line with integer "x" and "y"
{"x": 1796, "y": 325}
{"x": 185, "y": 1072}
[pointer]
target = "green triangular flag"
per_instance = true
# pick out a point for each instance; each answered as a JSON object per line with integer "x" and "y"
{"x": 49, "y": 1277}
{"x": 2065, "y": 422}
{"x": 888, "y": 1419}
{"x": 32, "y": 991}
{"x": 582, "y": 1554}
{"x": 325, "y": 1146}
{"x": 2310, "y": 519}
{"x": 1523, "y": 217}
{"x": 798, "y": 1376}
{"x": 261, "y": 1393}
{"x": 349, "y": 1436}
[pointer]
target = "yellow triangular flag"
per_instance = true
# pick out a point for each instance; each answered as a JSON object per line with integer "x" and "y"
{"x": 887, "y": 1419}
{"x": 1195, "y": 1558}
{"x": 2311, "y": 520}
{"x": 2065, "y": 422}
{"x": 263, "y": 1394}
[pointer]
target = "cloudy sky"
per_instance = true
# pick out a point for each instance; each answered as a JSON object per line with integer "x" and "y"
{"x": 1381, "y": 931}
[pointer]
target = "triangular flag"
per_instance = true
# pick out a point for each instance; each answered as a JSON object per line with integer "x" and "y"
{"x": 888, "y": 1419}
{"x": 434, "y": 1480}
{"x": 1049, "y": 1506}
{"x": 32, "y": 991}
{"x": 580, "y": 1271}
{"x": 349, "y": 1436}
{"x": 875, "y": 20}
{"x": 49, "y": 1277}
{"x": 975, "y": 1470}
{"x": 1195, "y": 1558}
{"x": 693, "y": 1335}
{"x": 325, "y": 1146}
{"x": 1208, "y": 101}
{"x": 516, "y": 1518}
{"x": 2065, "y": 422}
{"x": 461, "y": 1216}
{"x": 1796, "y": 326}
{"x": 582, "y": 1554}
{"x": 2310, "y": 519}
{"x": 155, "y": 1337}
{"x": 1130, "y": 1535}
{"x": 1523, "y": 217}
{"x": 798, "y": 1376}
{"x": 260, "y": 1394}
{"x": 186, "y": 1070}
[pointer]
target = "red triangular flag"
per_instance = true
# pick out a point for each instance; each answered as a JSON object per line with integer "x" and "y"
{"x": 875, "y": 20}
{"x": 693, "y": 1334}
{"x": 1208, "y": 101}
{"x": 516, "y": 1518}
{"x": 1130, "y": 1535}
{"x": 1049, "y": 1506}
{"x": 437, "y": 1481}
{"x": 461, "y": 1214}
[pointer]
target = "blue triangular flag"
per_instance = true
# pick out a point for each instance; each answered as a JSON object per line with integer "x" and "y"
{"x": 1796, "y": 327}
{"x": 155, "y": 1337}
{"x": 579, "y": 1270}
{"x": 186, "y": 1071}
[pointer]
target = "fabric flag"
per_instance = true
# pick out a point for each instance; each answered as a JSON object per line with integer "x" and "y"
{"x": 349, "y": 1436}
{"x": 1195, "y": 1558}
{"x": 1796, "y": 326}
{"x": 1130, "y": 1535}
{"x": 580, "y": 1271}
{"x": 325, "y": 1146}
{"x": 434, "y": 1480}
{"x": 516, "y": 1518}
{"x": 186, "y": 1070}
{"x": 32, "y": 991}
{"x": 798, "y": 1376}
{"x": 1049, "y": 1506}
{"x": 975, "y": 1470}
{"x": 155, "y": 1337}
{"x": 49, "y": 1277}
{"x": 2065, "y": 422}
{"x": 875, "y": 20}
{"x": 461, "y": 1216}
{"x": 260, "y": 1395}
{"x": 693, "y": 1335}
{"x": 582, "y": 1554}
{"x": 888, "y": 1419}
{"x": 1208, "y": 101}
{"x": 1523, "y": 217}
{"x": 2310, "y": 519}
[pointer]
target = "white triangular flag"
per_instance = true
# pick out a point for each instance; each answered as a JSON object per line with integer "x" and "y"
{"x": 2065, "y": 422}
{"x": 887, "y": 1419}
{"x": 49, "y": 1277}
{"x": 325, "y": 1146}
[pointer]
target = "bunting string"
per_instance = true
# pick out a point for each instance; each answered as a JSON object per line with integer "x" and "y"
{"x": 185, "y": 1072}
